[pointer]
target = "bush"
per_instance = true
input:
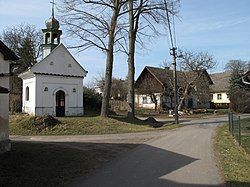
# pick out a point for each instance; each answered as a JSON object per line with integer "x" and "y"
{"x": 91, "y": 99}
{"x": 15, "y": 103}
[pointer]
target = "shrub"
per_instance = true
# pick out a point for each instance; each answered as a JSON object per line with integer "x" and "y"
{"x": 91, "y": 99}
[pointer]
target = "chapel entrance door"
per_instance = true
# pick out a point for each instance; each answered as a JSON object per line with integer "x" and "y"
{"x": 60, "y": 103}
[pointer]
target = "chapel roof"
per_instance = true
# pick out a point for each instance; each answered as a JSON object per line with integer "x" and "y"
{"x": 7, "y": 53}
{"x": 221, "y": 81}
{"x": 33, "y": 71}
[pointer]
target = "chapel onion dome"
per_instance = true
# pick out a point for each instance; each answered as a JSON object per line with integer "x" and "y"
{"x": 52, "y": 23}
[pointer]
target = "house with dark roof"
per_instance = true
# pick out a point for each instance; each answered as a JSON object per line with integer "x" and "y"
{"x": 154, "y": 88}
{"x": 6, "y": 59}
{"x": 219, "y": 90}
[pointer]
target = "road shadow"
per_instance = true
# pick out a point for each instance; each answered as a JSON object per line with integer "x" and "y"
{"x": 90, "y": 164}
{"x": 142, "y": 167}
{"x": 54, "y": 163}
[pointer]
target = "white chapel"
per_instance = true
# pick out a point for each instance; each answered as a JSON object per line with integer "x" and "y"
{"x": 53, "y": 85}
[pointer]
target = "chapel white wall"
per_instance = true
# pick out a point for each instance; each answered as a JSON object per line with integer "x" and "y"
{"x": 29, "y": 105}
{"x": 46, "y": 100}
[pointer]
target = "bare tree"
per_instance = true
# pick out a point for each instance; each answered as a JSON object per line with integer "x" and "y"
{"x": 96, "y": 24}
{"x": 143, "y": 16}
{"x": 239, "y": 92}
{"x": 118, "y": 88}
{"x": 25, "y": 41}
{"x": 192, "y": 77}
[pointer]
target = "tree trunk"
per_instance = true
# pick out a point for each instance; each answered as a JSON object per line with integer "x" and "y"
{"x": 131, "y": 66}
{"x": 184, "y": 95}
{"x": 109, "y": 62}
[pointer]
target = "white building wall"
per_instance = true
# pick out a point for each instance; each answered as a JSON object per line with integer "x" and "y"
{"x": 4, "y": 68}
{"x": 29, "y": 105}
{"x": 4, "y": 107}
{"x": 145, "y": 101}
{"x": 224, "y": 98}
{"x": 46, "y": 100}
{"x": 4, "y": 116}
{"x": 4, "y": 65}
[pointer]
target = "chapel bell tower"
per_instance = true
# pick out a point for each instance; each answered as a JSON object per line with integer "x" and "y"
{"x": 51, "y": 35}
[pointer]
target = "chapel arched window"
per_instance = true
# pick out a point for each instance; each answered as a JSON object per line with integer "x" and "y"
{"x": 27, "y": 93}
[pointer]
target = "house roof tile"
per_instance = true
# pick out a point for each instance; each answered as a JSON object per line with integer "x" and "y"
{"x": 221, "y": 81}
{"x": 7, "y": 53}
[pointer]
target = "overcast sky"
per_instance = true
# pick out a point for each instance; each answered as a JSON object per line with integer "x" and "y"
{"x": 220, "y": 27}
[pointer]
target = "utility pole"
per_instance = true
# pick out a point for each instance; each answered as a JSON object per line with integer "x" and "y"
{"x": 173, "y": 53}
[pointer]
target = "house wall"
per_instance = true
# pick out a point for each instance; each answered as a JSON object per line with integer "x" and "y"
{"x": 220, "y": 103}
{"x": 145, "y": 101}
{"x": 46, "y": 100}
{"x": 4, "y": 108}
{"x": 29, "y": 105}
{"x": 4, "y": 68}
{"x": 224, "y": 98}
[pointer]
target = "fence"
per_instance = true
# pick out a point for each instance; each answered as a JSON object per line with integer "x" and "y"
{"x": 235, "y": 126}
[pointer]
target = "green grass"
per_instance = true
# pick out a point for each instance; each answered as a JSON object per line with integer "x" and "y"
{"x": 23, "y": 125}
{"x": 232, "y": 159}
{"x": 40, "y": 164}
{"x": 245, "y": 137}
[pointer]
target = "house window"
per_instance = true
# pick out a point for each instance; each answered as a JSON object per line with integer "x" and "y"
{"x": 69, "y": 65}
{"x": 27, "y": 93}
{"x": 51, "y": 63}
{"x": 219, "y": 97}
{"x": 144, "y": 100}
{"x": 74, "y": 90}
{"x": 46, "y": 89}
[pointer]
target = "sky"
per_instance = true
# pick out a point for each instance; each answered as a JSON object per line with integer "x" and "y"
{"x": 219, "y": 27}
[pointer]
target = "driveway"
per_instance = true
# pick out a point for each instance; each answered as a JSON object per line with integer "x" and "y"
{"x": 181, "y": 157}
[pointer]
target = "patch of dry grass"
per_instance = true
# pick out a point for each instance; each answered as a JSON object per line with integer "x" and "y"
{"x": 234, "y": 162}
{"x": 24, "y": 125}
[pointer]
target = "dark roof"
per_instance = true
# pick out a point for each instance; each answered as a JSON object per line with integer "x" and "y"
{"x": 221, "y": 81}
{"x": 3, "y": 90}
{"x": 62, "y": 75}
{"x": 7, "y": 53}
{"x": 164, "y": 75}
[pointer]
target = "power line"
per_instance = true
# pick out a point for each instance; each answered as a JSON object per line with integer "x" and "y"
{"x": 169, "y": 26}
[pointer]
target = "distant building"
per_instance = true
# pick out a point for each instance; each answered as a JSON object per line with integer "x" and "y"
{"x": 159, "y": 82}
{"x": 53, "y": 85}
{"x": 219, "y": 89}
{"x": 6, "y": 59}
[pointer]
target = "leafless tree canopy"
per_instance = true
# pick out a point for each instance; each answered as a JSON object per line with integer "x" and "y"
{"x": 89, "y": 21}
{"x": 25, "y": 41}
{"x": 192, "y": 70}
{"x": 195, "y": 61}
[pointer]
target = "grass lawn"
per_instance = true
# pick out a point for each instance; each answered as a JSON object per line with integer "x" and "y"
{"x": 40, "y": 164}
{"x": 24, "y": 125}
{"x": 245, "y": 137}
{"x": 233, "y": 160}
